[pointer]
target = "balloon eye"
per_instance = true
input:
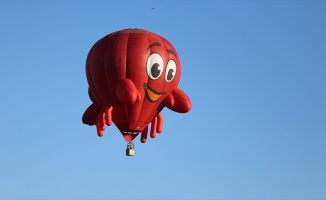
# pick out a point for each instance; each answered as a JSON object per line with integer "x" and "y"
{"x": 155, "y": 70}
{"x": 171, "y": 70}
{"x": 154, "y": 66}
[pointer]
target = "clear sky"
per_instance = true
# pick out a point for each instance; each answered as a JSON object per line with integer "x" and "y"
{"x": 254, "y": 70}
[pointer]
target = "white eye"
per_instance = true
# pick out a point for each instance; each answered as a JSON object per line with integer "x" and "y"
{"x": 154, "y": 66}
{"x": 171, "y": 69}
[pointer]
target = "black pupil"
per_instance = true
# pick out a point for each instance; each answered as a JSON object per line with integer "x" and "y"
{"x": 170, "y": 74}
{"x": 155, "y": 71}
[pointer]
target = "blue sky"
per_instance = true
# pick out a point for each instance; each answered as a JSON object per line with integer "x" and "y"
{"x": 254, "y": 70}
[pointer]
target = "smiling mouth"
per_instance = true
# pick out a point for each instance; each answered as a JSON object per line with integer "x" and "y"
{"x": 151, "y": 94}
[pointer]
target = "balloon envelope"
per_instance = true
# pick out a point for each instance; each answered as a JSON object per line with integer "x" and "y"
{"x": 132, "y": 75}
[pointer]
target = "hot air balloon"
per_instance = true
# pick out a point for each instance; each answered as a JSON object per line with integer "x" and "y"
{"x": 132, "y": 75}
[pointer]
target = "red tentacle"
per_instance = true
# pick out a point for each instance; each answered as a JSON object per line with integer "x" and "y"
{"x": 143, "y": 137}
{"x": 100, "y": 125}
{"x": 108, "y": 116}
{"x": 153, "y": 128}
{"x": 159, "y": 126}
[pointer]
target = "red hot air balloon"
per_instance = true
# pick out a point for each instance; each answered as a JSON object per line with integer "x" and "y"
{"x": 132, "y": 75}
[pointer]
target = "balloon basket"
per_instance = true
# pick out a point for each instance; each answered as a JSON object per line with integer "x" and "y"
{"x": 130, "y": 151}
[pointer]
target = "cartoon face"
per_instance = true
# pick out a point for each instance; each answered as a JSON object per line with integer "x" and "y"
{"x": 161, "y": 67}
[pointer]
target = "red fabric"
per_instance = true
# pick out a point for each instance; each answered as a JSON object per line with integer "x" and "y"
{"x": 132, "y": 75}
